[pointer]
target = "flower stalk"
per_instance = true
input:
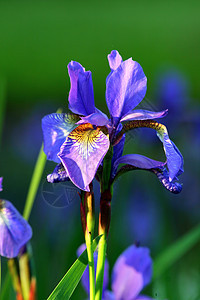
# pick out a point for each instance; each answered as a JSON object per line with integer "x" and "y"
{"x": 104, "y": 222}
{"x": 88, "y": 221}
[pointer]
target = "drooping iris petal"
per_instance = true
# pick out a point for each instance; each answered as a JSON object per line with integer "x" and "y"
{"x": 174, "y": 157}
{"x": 14, "y": 230}
{"x": 131, "y": 272}
{"x": 59, "y": 174}
{"x": 81, "y": 95}
{"x": 163, "y": 176}
{"x": 1, "y": 187}
{"x": 141, "y": 114}
{"x": 114, "y": 59}
{"x": 56, "y": 128}
{"x": 98, "y": 118}
{"x": 125, "y": 89}
{"x": 82, "y": 154}
{"x": 139, "y": 161}
{"x": 85, "y": 277}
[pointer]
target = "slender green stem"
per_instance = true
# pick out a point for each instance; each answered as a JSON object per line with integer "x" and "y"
{"x": 100, "y": 266}
{"x": 91, "y": 266}
{"x": 88, "y": 220}
{"x": 24, "y": 275}
{"x": 35, "y": 181}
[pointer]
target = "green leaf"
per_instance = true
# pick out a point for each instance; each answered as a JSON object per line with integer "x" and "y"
{"x": 34, "y": 184}
{"x": 6, "y": 288}
{"x": 2, "y": 103}
{"x": 69, "y": 282}
{"x": 176, "y": 251}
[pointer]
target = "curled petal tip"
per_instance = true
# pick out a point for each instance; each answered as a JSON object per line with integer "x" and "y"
{"x": 170, "y": 185}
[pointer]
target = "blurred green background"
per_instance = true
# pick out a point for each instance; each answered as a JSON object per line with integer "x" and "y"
{"x": 37, "y": 41}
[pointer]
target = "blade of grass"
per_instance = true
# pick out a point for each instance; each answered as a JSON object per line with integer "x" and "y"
{"x": 176, "y": 251}
{"x": 6, "y": 287}
{"x": 2, "y": 103}
{"x": 35, "y": 181}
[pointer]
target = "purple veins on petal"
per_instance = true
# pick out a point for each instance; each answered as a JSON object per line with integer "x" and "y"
{"x": 163, "y": 176}
{"x": 141, "y": 114}
{"x": 132, "y": 271}
{"x": 59, "y": 175}
{"x": 82, "y": 153}
{"x": 56, "y": 128}
{"x": 1, "y": 186}
{"x": 139, "y": 161}
{"x": 125, "y": 89}
{"x": 81, "y": 95}
{"x": 174, "y": 157}
{"x": 14, "y": 230}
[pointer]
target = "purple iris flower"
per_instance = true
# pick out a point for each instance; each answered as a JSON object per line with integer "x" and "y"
{"x": 81, "y": 139}
{"x": 131, "y": 273}
{"x": 15, "y": 231}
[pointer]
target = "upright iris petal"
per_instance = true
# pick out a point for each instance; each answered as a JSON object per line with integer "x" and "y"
{"x": 114, "y": 59}
{"x": 132, "y": 271}
{"x": 56, "y": 128}
{"x": 82, "y": 154}
{"x": 14, "y": 230}
{"x": 125, "y": 89}
{"x": 81, "y": 95}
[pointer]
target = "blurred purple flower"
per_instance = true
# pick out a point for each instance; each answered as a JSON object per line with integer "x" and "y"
{"x": 81, "y": 140}
{"x": 131, "y": 273}
{"x": 15, "y": 231}
{"x": 1, "y": 187}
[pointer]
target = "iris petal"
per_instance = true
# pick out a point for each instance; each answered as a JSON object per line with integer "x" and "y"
{"x": 132, "y": 271}
{"x": 59, "y": 175}
{"x": 139, "y": 161}
{"x": 174, "y": 157}
{"x": 81, "y": 95}
{"x": 141, "y": 114}
{"x": 114, "y": 59}
{"x": 1, "y": 187}
{"x": 82, "y": 154}
{"x": 142, "y": 297}
{"x": 98, "y": 118}
{"x": 14, "y": 230}
{"x": 56, "y": 128}
{"x": 125, "y": 89}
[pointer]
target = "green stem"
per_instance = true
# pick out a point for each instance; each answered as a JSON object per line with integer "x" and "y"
{"x": 100, "y": 266}
{"x": 88, "y": 241}
{"x": 35, "y": 181}
{"x": 88, "y": 220}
